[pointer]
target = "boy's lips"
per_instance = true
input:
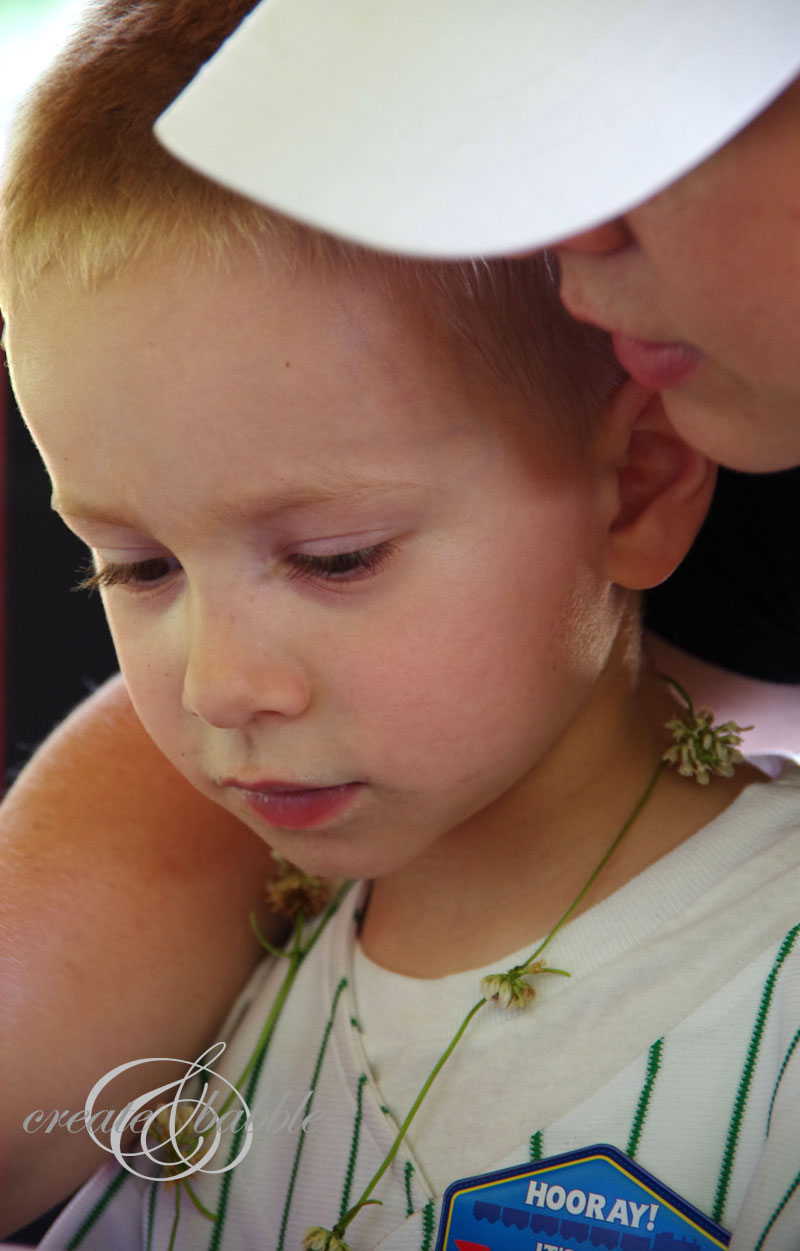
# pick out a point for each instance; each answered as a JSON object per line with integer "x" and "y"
{"x": 657, "y": 365}
{"x": 294, "y": 805}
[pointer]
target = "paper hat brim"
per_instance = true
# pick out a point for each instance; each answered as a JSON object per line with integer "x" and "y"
{"x": 466, "y": 127}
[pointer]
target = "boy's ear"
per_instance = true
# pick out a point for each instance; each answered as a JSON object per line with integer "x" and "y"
{"x": 660, "y": 489}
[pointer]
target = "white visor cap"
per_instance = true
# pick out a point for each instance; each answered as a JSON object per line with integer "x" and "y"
{"x": 464, "y": 127}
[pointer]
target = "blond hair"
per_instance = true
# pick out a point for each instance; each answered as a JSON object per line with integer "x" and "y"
{"x": 87, "y": 188}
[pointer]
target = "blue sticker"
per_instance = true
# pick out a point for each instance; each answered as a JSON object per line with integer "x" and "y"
{"x": 596, "y": 1197}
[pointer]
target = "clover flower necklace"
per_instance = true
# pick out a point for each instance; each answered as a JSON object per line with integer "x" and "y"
{"x": 698, "y": 750}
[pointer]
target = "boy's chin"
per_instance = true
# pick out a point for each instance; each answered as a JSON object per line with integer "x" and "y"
{"x": 332, "y": 855}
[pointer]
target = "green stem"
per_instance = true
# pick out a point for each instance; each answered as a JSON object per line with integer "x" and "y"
{"x": 295, "y": 960}
{"x": 341, "y": 1225}
{"x": 593, "y": 878}
{"x": 197, "y": 1203}
{"x": 296, "y": 955}
{"x": 331, "y": 910}
{"x": 265, "y": 943}
{"x": 684, "y": 694}
{"x": 174, "y": 1229}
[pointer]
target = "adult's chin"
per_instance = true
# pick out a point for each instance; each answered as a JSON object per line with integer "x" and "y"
{"x": 738, "y": 428}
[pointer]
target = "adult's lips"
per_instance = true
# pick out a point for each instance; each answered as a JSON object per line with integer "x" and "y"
{"x": 657, "y": 365}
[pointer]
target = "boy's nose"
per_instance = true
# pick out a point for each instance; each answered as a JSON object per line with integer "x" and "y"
{"x": 235, "y": 672}
{"x": 608, "y": 237}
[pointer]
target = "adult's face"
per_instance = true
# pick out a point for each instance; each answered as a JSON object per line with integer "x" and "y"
{"x": 701, "y": 287}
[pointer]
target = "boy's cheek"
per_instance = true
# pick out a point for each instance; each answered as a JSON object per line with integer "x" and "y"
{"x": 155, "y": 684}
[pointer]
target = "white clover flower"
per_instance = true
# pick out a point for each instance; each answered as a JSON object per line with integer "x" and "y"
{"x": 700, "y": 748}
{"x": 512, "y": 990}
{"x": 291, "y": 890}
{"x": 178, "y": 1147}
{"x": 318, "y": 1239}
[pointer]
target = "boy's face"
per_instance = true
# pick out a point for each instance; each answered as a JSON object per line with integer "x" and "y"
{"x": 354, "y": 602}
{"x": 713, "y": 263}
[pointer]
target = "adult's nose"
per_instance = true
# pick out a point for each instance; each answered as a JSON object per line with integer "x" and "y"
{"x": 608, "y": 237}
{"x": 240, "y": 666}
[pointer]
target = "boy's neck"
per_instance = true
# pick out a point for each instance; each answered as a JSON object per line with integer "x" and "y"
{"x": 502, "y": 880}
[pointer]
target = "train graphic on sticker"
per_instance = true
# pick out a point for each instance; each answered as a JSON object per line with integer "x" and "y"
{"x": 593, "y": 1198}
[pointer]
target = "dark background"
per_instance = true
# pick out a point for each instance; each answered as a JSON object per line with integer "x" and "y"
{"x": 57, "y": 644}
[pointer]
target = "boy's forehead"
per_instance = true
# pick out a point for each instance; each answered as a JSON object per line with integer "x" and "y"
{"x": 311, "y": 493}
{"x": 253, "y": 317}
{"x": 225, "y": 297}
{"x": 164, "y": 314}
{"x": 285, "y": 371}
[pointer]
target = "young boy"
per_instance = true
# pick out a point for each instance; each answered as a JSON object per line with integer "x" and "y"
{"x": 369, "y": 536}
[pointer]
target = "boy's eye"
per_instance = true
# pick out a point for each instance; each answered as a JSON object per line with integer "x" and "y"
{"x": 139, "y": 571}
{"x": 339, "y": 567}
{"x": 342, "y": 566}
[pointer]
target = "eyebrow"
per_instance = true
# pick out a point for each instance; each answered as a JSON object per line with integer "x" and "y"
{"x": 257, "y": 508}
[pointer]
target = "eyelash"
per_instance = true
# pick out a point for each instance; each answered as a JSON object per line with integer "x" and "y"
{"x": 364, "y": 561}
{"x": 118, "y": 574}
{"x": 335, "y": 568}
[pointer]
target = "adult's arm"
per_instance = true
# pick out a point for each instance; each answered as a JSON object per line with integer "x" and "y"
{"x": 123, "y": 934}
